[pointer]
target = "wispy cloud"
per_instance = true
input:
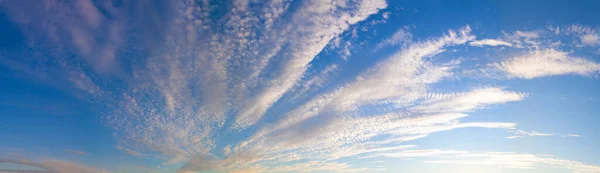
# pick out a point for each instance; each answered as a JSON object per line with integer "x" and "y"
{"x": 490, "y": 42}
{"x": 401, "y": 36}
{"x": 524, "y": 39}
{"x": 469, "y": 101}
{"x": 514, "y": 160}
{"x": 337, "y": 137}
{"x": 408, "y": 82}
{"x": 51, "y": 166}
{"x": 80, "y": 25}
{"x": 521, "y": 133}
{"x": 318, "y": 32}
{"x": 497, "y": 159}
{"x": 77, "y": 152}
{"x": 547, "y": 62}
{"x": 587, "y": 36}
{"x": 183, "y": 123}
{"x": 533, "y": 133}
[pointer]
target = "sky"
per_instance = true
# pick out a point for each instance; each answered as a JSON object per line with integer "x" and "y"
{"x": 282, "y": 86}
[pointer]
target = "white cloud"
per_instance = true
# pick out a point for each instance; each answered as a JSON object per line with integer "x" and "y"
{"x": 334, "y": 136}
{"x": 532, "y": 133}
{"x": 524, "y": 39}
{"x": 590, "y": 39}
{"x": 241, "y": 72}
{"x": 469, "y": 101}
{"x": 546, "y": 62}
{"x": 587, "y": 36}
{"x": 521, "y": 133}
{"x": 195, "y": 88}
{"x": 316, "y": 81}
{"x": 401, "y": 36}
{"x": 318, "y": 25}
{"x": 496, "y": 159}
{"x": 490, "y": 42}
{"x": 386, "y": 81}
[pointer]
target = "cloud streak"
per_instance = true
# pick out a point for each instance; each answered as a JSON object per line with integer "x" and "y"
{"x": 490, "y": 42}
{"x": 547, "y": 62}
{"x": 52, "y": 166}
{"x": 496, "y": 159}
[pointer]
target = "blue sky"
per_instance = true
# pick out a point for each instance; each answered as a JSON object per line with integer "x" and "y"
{"x": 299, "y": 86}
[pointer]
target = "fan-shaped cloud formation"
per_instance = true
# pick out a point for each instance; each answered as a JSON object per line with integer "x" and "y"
{"x": 240, "y": 86}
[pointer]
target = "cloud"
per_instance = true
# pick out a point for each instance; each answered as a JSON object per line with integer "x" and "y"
{"x": 546, "y": 62}
{"x": 76, "y": 46}
{"x": 376, "y": 84}
{"x": 524, "y": 39}
{"x": 238, "y": 162}
{"x": 521, "y": 133}
{"x": 469, "y": 101}
{"x": 401, "y": 36}
{"x": 129, "y": 151}
{"x": 490, "y": 42}
{"x": 497, "y": 159}
{"x": 587, "y": 36}
{"x": 77, "y": 152}
{"x": 532, "y": 133}
{"x": 315, "y": 81}
{"x": 199, "y": 164}
{"x": 319, "y": 166}
{"x": 237, "y": 78}
{"x": 321, "y": 22}
{"x": 333, "y": 136}
{"x": 52, "y": 166}
{"x": 545, "y": 46}
{"x": 418, "y": 153}
{"x": 401, "y": 85}
{"x": 80, "y": 25}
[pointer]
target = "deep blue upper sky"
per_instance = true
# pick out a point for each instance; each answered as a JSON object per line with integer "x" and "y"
{"x": 299, "y": 86}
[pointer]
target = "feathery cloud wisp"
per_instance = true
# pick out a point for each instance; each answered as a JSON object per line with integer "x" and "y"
{"x": 77, "y": 152}
{"x": 546, "y": 62}
{"x": 497, "y": 159}
{"x": 52, "y": 166}
{"x": 469, "y": 101}
{"x": 490, "y": 42}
